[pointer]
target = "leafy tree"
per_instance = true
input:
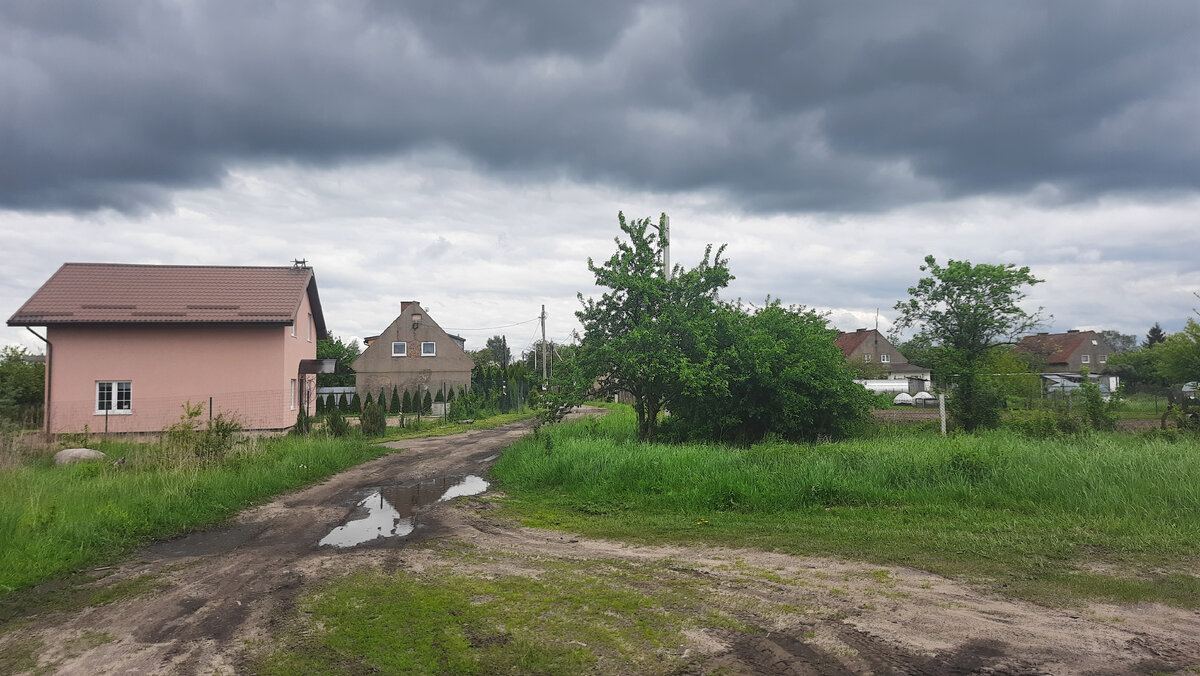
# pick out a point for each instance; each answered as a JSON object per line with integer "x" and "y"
{"x": 498, "y": 346}
{"x": 969, "y": 310}
{"x": 22, "y": 382}
{"x": 648, "y": 334}
{"x": 394, "y": 404}
{"x": 482, "y": 358}
{"x": 1154, "y": 336}
{"x": 1139, "y": 370}
{"x": 1179, "y": 354}
{"x": 1120, "y": 342}
{"x": 345, "y": 354}
{"x": 785, "y": 377}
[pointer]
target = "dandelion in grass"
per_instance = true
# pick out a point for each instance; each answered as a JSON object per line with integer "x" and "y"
{"x": 702, "y": 522}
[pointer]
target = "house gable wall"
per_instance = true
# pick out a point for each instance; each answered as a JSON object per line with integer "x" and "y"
{"x": 377, "y": 369}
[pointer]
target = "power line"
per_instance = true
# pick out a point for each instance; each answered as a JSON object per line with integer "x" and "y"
{"x": 488, "y": 328}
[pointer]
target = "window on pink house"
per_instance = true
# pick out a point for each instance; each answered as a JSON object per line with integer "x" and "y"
{"x": 114, "y": 397}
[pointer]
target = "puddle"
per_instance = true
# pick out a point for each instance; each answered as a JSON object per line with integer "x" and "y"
{"x": 391, "y": 511}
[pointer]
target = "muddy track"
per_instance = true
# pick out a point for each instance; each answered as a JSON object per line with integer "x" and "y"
{"x": 215, "y": 590}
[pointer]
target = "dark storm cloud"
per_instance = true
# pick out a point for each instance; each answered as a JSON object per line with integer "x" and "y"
{"x": 777, "y": 106}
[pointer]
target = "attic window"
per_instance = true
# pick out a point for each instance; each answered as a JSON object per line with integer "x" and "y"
{"x": 867, "y": 357}
{"x": 1094, "y": 342}
{"x": 1086, "y": 359}
{"x": 885, "y": 358}
{"x": 399, "y": 349}
{"x": 429, "y": 349}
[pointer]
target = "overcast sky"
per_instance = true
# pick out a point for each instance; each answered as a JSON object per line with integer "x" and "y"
{"x": 473, "y": 155}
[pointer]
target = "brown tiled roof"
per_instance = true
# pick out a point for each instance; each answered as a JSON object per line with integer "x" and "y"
{"x": 1057, "y": 348}
{"x": 850, "y": 341}
{"x": 107, "y": 293}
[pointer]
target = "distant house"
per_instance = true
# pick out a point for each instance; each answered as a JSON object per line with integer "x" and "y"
{"x": 1068, "y": 352}
{"x": 413, "y": 354}
{"x": 868, "y": 346}
{"x": 127, "y": 345}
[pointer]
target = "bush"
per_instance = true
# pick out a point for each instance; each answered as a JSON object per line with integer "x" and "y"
{"x": 356, "y": 404}
{"x": 336, "y": 424}
{"x": 210, "y": 442}
{"x": 427, "y": 405}
{"x": 394, "y": 404}
{"x": 374, "y": 423}
{"x": 407, "y": 405}
{"x": 343, "y": 404}
{"x": 320, "y": 404}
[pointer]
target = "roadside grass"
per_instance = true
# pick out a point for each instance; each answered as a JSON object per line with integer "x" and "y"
{"x": 1025, "y": 516}
{"x": 56, "y": 521}
{"x": 551, "y": 617}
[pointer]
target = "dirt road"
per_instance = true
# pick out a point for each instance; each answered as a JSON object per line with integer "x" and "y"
{"x": 212, "y": 591}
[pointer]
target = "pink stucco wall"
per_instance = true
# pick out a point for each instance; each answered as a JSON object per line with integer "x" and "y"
{"x": 247, "y": 370}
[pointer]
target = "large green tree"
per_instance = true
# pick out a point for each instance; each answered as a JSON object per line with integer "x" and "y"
{"x": 969, "y": 310}
{"x": 649, "y": 333}
{"x": 345, "y": 354}
{"x": 498, "y": 345}
{"x": 1179, "y": 355}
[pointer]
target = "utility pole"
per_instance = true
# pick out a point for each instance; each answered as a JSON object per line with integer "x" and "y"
{"x": 543, "y": 345}
{"x": 666, "y": 238}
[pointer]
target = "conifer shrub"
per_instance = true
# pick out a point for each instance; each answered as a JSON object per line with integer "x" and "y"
{"x": 407, "y": 405}
{"x": 428, "y": 404}
{"x": 320, "y": 404}
{"x": 394, "y": 404}
{"x": 355, "y": 404}
{"x": 343, "y": 404}
{"x": 336, "y": 424}
{"x": 374, "y": 423}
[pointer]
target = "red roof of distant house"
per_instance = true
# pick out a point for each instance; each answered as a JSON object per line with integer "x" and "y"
{"x": 850, "y": 341}
{"x": 109, "y": 293}
{"x": 1057, "y": 348}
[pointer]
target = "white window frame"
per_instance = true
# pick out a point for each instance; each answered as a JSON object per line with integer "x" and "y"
{"x": 1103, "y": 359}
{"x": 432, "y": 348}
{"x": 114, "y": 401}
{"x": 1085, "y": 359}
{"x": 885, "y": 358}
{"x": 293, "y": 404}
{"x": 867, "y": 357}
{"x": 403, "y": 352}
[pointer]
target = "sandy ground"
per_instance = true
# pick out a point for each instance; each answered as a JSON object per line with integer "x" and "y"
{"x": 219, "y": 589}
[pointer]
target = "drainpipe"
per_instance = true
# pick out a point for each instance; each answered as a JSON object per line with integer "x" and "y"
{"x": 46, "y": 384}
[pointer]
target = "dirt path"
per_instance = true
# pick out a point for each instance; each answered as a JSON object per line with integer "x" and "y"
{"x": 217, "y": 589}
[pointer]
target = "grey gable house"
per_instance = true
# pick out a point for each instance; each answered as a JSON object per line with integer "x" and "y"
{"x": 412, "y": 354}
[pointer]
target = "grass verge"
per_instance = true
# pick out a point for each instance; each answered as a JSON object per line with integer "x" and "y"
{"x": 1030, "y": 517}
{"x": 58, "y": 520}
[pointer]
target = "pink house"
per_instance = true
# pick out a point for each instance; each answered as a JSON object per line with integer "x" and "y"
{"x": 128, "y": 345}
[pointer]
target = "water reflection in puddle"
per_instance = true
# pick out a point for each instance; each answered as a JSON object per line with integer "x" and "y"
{"x": 391, "y": 511}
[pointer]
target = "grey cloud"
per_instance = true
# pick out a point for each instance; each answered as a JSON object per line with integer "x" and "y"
{"x": 775, "y": 106}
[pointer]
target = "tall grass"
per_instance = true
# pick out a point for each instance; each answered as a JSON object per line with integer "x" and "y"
{"x": 952, "y": 504}
{"x": 54, "y": 520}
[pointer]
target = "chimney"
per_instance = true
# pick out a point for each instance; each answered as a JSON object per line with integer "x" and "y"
{"x": 1072, "y": 330}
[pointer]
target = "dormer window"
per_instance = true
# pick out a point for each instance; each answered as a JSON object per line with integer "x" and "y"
{"x": 885, "y": 358}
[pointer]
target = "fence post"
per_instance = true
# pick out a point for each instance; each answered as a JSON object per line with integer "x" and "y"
{"x": 942, "y": 412}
